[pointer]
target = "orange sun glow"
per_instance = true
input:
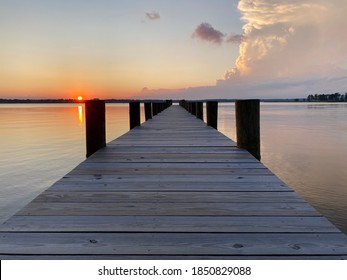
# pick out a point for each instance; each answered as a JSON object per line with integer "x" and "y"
{"x": 79, "y": 98}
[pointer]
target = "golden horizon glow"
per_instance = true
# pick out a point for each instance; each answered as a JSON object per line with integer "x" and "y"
{"x": 113, "y": 54}
{"x": 79, "y": 98}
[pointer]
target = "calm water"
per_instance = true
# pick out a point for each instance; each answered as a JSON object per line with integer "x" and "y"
{"x": 304, "y": 144}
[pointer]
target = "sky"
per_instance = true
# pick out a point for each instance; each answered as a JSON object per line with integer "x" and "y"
{"x": 192, "y": 49}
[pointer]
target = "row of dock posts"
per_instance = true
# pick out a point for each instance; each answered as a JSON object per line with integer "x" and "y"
{"x": 247, "y": 120}
{"x": 96, "y": 120}
{"x": 247, "y": 113}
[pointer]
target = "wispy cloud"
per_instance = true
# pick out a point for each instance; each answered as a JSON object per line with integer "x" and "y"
{"x": 235, "y": 38}
{"x": 206, "y": 32}
{"x": 153, "y": 15}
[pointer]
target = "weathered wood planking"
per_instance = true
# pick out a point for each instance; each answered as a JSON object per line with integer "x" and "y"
{"x": 128, "y": 185}
{"x": 170, "y": 189}
{"x": 168, "y": 209}
{"x": 170, "y": 224}
{"x": 169, "y": 197}
{"x": 174, "y": 243}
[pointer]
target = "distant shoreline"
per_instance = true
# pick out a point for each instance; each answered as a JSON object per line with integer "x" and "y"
{"x": 73, "y": 101}
{"x": 57, "y": 101}
{"x": 66, "y": 101}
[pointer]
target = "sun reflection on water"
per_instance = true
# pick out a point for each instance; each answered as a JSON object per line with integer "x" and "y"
{"x": 80, "y": 113}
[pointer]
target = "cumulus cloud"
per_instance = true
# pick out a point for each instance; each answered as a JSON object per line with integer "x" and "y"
{"x": 289, "y": 48}
{"x": 153, "y": 15}
{"x": 290, "y": 38}
{"x": 206, "y": 32}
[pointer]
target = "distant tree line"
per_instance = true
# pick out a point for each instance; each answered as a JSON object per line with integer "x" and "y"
{"x": 3, "y": 100}
{"x": 39, "y": 101}
{"x": 334, "y": 97}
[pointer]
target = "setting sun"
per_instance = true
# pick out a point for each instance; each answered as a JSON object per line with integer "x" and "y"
{"x": 79, "y": 98}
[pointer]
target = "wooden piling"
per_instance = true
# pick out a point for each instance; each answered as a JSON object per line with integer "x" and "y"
{"x": 248, "y": 126}
{"x": 184, "y": 104}
{"x": 95, "y": 126}
{"x": 193, "y": 104}
{"x": 161, "y": 107}
{"x": 168, "y": 103}
{"x": 212, "y": 113}
{"x": 200, "y": 110}
{"x": 155, "y": 108}
{"x": 134, "y": 114}
{"x": 189, "y": 105}
{"x": 148, "y": 111}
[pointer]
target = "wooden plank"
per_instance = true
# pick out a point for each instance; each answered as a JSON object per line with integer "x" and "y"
{"x": 197, "y": 224}
{"x": 169, "y": 165}
{"x": 165, "y": 186}
{"x": 171, "y": 143}
{"x": 169, "y": 171}
{"x": 173, "y": 149}
{"x": 174, "y": 243}
{"x": 170, "y": 134}
{"x": 222, "y": 178}
{"x": 169, "y": 209}
{"x": 173, "y": 158}
{"x": 168, "y": 197}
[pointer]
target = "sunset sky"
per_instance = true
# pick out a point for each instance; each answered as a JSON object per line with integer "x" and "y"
{"x": 172, "y": 49}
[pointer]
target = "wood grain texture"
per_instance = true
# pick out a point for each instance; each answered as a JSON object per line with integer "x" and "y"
{"x": 185, "y": 223}
{"x": 168, "y": 197}
{"x": 173, "y": 188}
{"x": 168, "y": 209}
{"x": 174, "y": 243}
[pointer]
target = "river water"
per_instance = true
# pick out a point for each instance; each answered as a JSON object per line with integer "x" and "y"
{"x": 305, "y": 144}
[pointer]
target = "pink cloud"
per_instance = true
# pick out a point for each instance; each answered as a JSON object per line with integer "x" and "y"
{"x": 206, "y": 32}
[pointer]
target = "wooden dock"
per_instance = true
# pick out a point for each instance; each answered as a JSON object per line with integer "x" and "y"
{"x": 173, "y": 188}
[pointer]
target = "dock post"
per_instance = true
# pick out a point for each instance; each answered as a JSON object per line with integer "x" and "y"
{"x": 154, "y": 109}
{"x": 161, "y": 107}
{"x": 148, "y": 111}
{"x": 248, "y": 126}
{"x": 181, "y": 103}
{"x": 193, "y": 104}
{"x": 212, "y": 113}
{"x": 189, "y": 104}
{"x": 134, "y": 114}
{"x": 168, "y": 104}
{"x": 184, "y": 104}
{"x": 95, "y": 126}
{"x": 200, "y": 110}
